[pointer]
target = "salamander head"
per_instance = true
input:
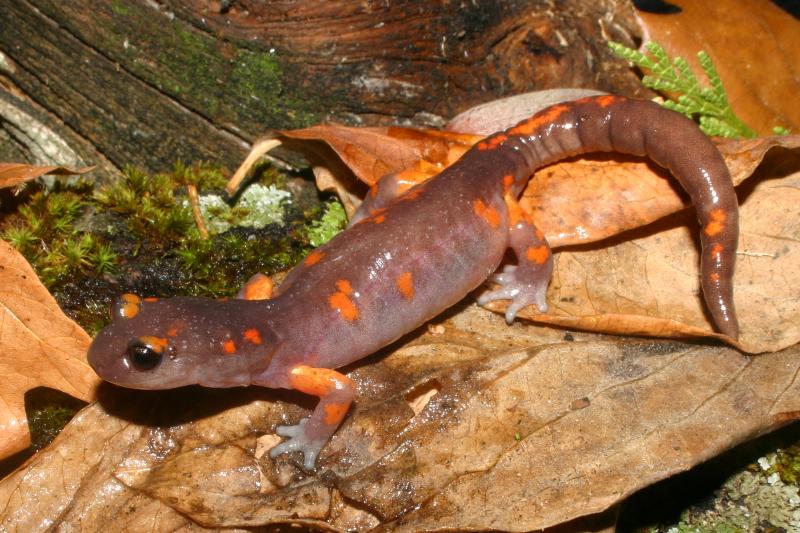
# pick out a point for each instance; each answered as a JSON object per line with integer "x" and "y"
{"x": 163, "y": 344}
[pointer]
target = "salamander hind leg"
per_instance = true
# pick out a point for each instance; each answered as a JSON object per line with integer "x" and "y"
{"x": 336, "y": 392}
{"x": 526, "y": 283}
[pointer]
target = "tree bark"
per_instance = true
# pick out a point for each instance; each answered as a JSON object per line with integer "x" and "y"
{"x": 148, "y": 83}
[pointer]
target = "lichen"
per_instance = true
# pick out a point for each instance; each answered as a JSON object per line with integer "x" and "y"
{"x": 257, "y": 207}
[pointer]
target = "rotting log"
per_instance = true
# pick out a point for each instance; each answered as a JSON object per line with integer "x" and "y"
{"x": 149, "y": 83}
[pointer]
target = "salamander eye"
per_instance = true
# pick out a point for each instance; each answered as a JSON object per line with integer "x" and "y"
{"x": 144, "y": 355}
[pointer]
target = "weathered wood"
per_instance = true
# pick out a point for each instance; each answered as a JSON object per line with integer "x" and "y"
{"x": 135, "y": 82}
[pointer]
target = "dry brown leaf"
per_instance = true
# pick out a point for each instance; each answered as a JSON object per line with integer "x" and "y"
{"x": 370, "y": 153}
{"x": 12, "y": 174}
{"x": 518, "y": 432}
{"x": 755, "y": 47}
{"x": 39, "y": 346}
{"x": 646, "y": 282}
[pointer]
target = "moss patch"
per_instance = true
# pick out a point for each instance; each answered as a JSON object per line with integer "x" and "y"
{"x": 138, "y": 235}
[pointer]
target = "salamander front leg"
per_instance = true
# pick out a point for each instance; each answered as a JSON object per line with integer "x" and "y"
{"x": 336, "y": 392}
{"x": 526, "y": 283}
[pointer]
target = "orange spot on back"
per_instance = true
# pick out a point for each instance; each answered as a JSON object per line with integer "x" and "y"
{"x": 414, "y": 176}
{"x": 493, "y": 142}
{"x": 508, "y": 181}
{"x": 344, "y": 286}
{"x": 228, "y": 346}
{"x": 714, "y": 276}
{"x": 538, "y": 120}
{"x": 717, "y": 224}
{"x": 340, "y": 301}
{"x": 412, "y": 194}
{"x": 538, "y": 254}
{"x": 173, "y": 331}
{"x": 151, "y": 299}
{"x": 405, "y": 284}
{"x": 313, "y": 258}
{"x": 487, "y": 213}
{"x": 606, "y": 100}
{"x": 717, "y": 249}
{"x": 252, "y": 335}
{"x": 377, "y": 215}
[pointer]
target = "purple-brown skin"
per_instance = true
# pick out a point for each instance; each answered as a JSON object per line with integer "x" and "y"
{"x": 409, "y": 255}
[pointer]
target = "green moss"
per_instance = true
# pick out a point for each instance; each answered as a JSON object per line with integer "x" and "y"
{"x": 139, "y": 235}
{"x": 334, "y": 220}
{"x": 48, "y": 411}
{"x": 234, "y": 83}
{"x": 120, "y": 8}
{"x": 46, "y": 231}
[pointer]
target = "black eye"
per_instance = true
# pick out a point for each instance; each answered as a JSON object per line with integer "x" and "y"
{"x": 142, "y": 356}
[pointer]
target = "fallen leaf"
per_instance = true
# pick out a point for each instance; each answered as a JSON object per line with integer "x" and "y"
{"x": 344, "y": 158}
{"x": 646, "y": 282}
{"x": 515, "y": 431}
{"x": 12, "y": 174}
{"x": 754, "y": 45}
{"x": 39, "y": 346}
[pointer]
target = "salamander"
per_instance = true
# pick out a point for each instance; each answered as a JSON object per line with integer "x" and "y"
{"x": 412, "y": 251}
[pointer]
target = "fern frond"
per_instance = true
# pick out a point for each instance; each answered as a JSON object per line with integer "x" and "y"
{"x": 675, "y": 79}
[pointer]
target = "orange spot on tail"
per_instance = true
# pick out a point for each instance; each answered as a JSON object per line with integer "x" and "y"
{"x": 717, "y": 250}
{"x": 487, "y": 213}
{"x": 714, "y": 277}
{"x": 538, "y": 254}
{"x": 252, "y": 335}
{"x": 313, "y": 258}
{"x": 717, "y": 224}
{"x": 229, "y": 347}
{"x": 405, "y": 284}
